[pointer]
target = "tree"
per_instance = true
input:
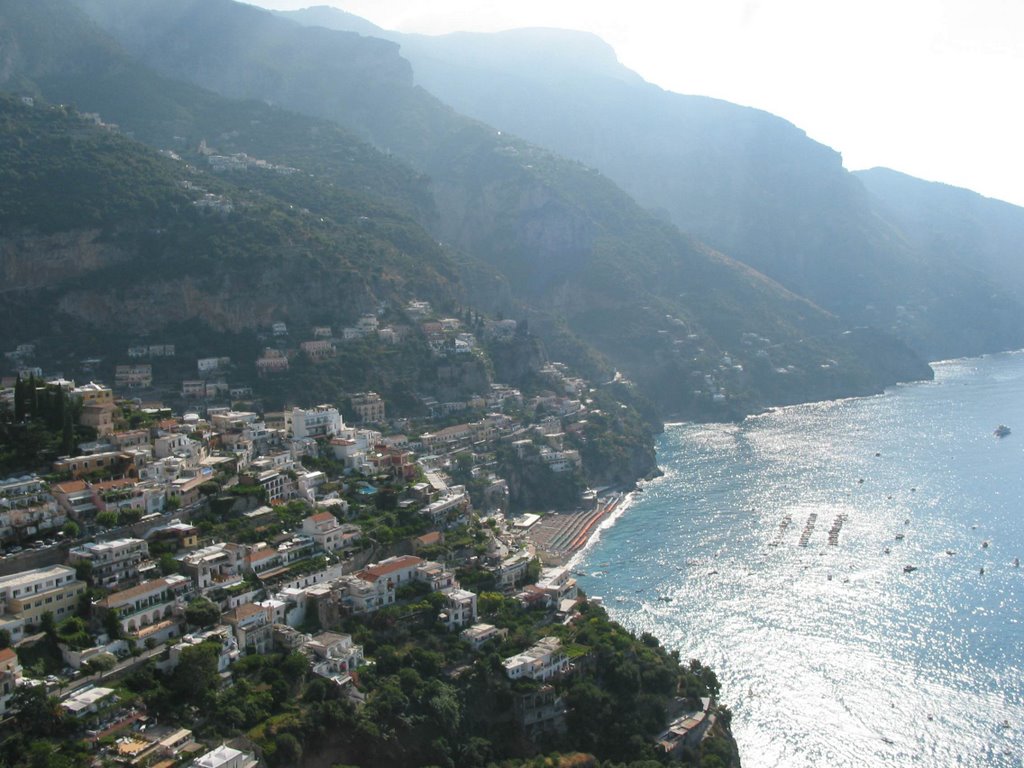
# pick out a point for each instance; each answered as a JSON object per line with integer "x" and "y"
{"x": 195, "y": 679}
{"x": 168, "y": 564}
{"x": 294, "y": 668}
{"x": 48, "y": 624}
{"x": 5, "y": 639}
{"x": 67, "y": 434}
{"x": 83, "y": 571}
{"x": 202, "y": 613}
{"x": 39, "y": 714}
{"x": 107, "y": 518}
{"x": 112, "y": 624}
{"x": 71, "y": 529}
{"x": 102, "y": 662}
{"x": 19, "y": 400}
{"x": 287, "y": 750}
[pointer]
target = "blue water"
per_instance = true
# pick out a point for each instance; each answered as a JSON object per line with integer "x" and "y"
{"x": 833, "y": 655}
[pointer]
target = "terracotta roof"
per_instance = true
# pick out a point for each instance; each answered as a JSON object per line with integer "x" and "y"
{"x": 244, "y": 611}
{"x": 322, "y": 517}
{"x": 429, "y": 538}
{"x": 72, "y": 486}
{"x": 132, "y": 592}
{"x": 374, "y": 572}
{"x": 8, "y": 654}
{"x": 262, "y": 554}
{"x": 107, "y": 485}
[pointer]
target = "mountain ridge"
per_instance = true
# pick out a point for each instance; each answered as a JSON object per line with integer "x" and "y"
{"x": 531, "y": 235}
{"x": 747, "y": 182}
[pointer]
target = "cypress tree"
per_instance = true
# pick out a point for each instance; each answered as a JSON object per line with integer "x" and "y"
{"x": 33, "y": 392}
{"x": 19, "y": 400}
{"x": 59, "y": 408}
{"x": 67, "y": 437}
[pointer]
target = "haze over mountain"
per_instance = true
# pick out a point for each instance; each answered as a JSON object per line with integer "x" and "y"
{"x": 747, "y": 182}
{"x": 533, "y": 236}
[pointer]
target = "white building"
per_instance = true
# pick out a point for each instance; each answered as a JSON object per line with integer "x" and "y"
{"x": 149, "y": 603}
{"x": 542, "y": 661}
{"x": 218, "y": 566}
{"x": 253, "y": 626}
{"x": 328, "y": 533}
{"x": 460, "y": 608}
{"x": 226, "y": 757}
{"x": 321, "y": 421}
{"x": 26, "y": 596}
{"x": 10, "y": 676}
{"x": 369, "y": 407}
{"x": 478, "y": 634}
{"x": 335, "y": 655}
{"x": 112, "y": 561}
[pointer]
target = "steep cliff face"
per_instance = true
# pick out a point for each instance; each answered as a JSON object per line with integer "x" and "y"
{"x": 32, "y": 261}
{"x": 100, "y": 235}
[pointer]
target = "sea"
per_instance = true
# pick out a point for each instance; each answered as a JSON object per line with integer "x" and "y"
{"x": 846, "y": 567}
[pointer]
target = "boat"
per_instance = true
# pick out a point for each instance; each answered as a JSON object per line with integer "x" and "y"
{"x": 909, "y": 568}
{"x": 1001, "y": 431}
{"x": 984, "y": 545}
{"x": 950, "y": 552}
{"x": 1016, "y": 562}
{"x": 899, "y": 537}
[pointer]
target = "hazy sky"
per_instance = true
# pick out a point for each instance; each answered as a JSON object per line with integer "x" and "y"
{"x": 932, "y": 88}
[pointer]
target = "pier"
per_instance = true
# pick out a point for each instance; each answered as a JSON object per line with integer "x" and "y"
{"x": 783, "y": 525}
{"x": 805, "y": 535}
{"x": 837, "y": 526}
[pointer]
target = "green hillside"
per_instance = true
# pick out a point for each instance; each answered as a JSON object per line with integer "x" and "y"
{"x": 102, "y": 235}
{"x": 540, "y": 237}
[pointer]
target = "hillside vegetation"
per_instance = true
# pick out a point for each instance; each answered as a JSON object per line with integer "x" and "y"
{"x": 608, "y": 286}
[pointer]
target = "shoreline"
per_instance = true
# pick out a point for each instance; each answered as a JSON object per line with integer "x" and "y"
{"x": 562, "y": 538}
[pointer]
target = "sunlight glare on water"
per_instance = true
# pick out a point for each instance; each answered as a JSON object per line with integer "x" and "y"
{"x": 833, "y": 655}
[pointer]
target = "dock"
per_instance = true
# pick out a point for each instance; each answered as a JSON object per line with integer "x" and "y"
{"x": 783, "y": 525}
{"x": 805, "y": 536}
{"x": 837, "y": 526}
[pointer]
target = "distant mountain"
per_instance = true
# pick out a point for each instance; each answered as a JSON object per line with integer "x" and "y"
{"x": 530, "y": 235}
{"x": 747, "y": 182}
{"x": 959, "y": 226}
